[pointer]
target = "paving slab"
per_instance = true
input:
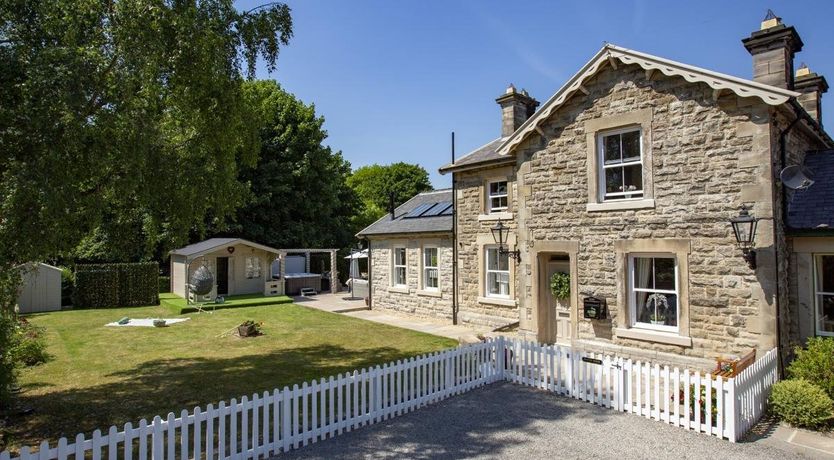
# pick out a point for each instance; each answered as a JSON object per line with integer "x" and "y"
{"x": 812, "y": 444}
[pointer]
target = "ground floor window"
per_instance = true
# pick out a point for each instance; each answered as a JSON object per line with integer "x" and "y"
{"x": 399, "y": 267}
{"x": 497, "y": 273}
{"x": 653, "y": 291}
{"x": 253, "y": 267}
{"x": 431, "y": 279}
{"x": 824, "y": 294}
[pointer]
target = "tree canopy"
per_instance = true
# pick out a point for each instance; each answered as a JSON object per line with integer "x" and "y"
{"x": 298, "y": 192}
{"x": 127, "y": 108}
{"x": 374, "y": 184}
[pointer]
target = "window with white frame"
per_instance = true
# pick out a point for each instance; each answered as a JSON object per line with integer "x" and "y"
{"x": 653, "y": 291}
{"x": 498, "y": 198}
{"x": 620, "y": 164}
{"x": 399, "y": 267}
{"x": 497, "y": 273}
{"x": 431, "y": 277}
{"x": 824, "y": 294}
{"x": 252, "y": 267}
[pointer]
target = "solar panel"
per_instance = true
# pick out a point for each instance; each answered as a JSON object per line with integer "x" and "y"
{"x": 437, "y": 209}
{"x": 448, "y": 211}
{"x": 419, "y": 210}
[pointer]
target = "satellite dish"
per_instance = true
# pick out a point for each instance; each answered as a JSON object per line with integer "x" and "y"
{"x": 796, "y": 177}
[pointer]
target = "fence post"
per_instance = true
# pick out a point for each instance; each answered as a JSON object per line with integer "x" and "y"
{"x": 500, "y": 358}
{"x": 732, "y": 410}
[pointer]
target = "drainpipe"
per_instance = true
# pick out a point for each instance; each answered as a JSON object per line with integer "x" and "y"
{"x": 370, "y": 276}
{"x": 454, "y": 242}
{"x": 783, "y": 134}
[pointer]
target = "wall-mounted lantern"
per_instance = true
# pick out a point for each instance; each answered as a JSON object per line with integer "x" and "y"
{"x": 500, "y": 233}
{"x": 744, "y": 227}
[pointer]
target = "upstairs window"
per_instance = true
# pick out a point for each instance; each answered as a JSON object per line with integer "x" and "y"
{"x": 399, "y": 267}
{"x": 621, "y": 165}
{"x": 431, "y": 279}
{"x": 497, "y": 200}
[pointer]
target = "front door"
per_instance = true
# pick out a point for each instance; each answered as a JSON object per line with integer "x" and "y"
{"x": 222, "y": 276}
{"x": 558, "y": 310}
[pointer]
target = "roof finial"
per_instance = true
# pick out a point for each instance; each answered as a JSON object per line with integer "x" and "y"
{"x": 510, "y": 89}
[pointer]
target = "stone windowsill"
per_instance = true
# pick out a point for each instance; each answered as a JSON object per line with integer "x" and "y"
{"x": 645, "y": 203}
{"x": 653, "y": 336}
{"x": 495, "y": 216}
{"x": 430, "y": 293}
{"x": 497, "y": 301}
{"x": 399, "y": 289}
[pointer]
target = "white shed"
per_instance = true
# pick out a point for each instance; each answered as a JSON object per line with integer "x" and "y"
{"x": 40, "y": 289}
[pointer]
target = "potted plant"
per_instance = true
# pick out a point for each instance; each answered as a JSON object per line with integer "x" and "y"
{"x": 249, "y": 329}
{"x": 658, "y": 319}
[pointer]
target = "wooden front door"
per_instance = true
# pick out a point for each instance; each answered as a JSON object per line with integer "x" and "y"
{"x": 222, "y": 276}
{"x": 558, "y": 310}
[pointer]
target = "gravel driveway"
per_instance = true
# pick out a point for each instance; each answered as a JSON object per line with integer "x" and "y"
{"x": 504, "y": 420}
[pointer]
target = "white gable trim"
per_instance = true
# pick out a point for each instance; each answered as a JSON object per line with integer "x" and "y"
{"x": 610, "y": 54}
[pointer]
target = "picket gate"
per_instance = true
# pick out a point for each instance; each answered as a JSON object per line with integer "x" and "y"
{"x": 262, "y": 425}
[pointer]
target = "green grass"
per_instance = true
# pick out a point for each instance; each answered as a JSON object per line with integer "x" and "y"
{"x": 179, "y": 306}
{"x": 100, "y": 376}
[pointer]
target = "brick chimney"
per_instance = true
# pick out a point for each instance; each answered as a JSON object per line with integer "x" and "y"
{"x": 811, "y": 86}
{"x": 516, "y": 108}
{"x": 773, "y": 47}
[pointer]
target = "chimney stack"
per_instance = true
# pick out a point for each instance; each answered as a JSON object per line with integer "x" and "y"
{"x": 516, "y": 108}
{"x": 812, "y": 86}
{"x": 773, "y": 47}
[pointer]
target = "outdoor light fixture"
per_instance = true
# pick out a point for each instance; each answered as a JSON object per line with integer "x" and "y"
{"x": 500, "y": 232}
{"x": 744, "y": 226}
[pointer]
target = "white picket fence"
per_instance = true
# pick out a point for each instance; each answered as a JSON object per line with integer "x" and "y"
{"x": 287, "y": 419}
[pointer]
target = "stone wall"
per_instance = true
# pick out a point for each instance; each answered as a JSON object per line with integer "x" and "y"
{"x": 473, "y": 226}
{"x": 413, "y": 299}
{"x": 710, "y": 153}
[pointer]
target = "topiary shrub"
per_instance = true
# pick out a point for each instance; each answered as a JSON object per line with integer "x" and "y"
{"x": 801, "y": 403}
{"x": 815, "y": 363}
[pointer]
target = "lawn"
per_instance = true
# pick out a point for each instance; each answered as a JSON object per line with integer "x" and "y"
{"x": 100, "y": 376}
{"x": 179, "y": 305}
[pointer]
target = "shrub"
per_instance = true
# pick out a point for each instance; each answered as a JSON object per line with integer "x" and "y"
{"x": 67, "y": 285}
{"x": 28, "y": 345}
{"x": 815, "y": 363}
{"x": 801, "y": 403}
{"x": 164, "y": 284}
{"x": 116, "y": 285}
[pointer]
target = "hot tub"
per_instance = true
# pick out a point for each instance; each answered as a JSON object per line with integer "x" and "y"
{"x": 297, "y": 281}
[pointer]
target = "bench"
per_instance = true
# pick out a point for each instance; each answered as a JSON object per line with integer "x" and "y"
{"x": 729, "y": 368}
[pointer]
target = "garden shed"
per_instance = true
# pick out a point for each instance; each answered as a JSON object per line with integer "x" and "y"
{"x": 40, "y": 289}
{"x": 244, "y": 267}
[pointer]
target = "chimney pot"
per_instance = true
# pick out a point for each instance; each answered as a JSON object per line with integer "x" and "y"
{"x": 516, "y": 108}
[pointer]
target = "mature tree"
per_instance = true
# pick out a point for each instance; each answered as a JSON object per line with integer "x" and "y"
{"x": 298, "y": 196}
{"x": 375, "y": 183}
{"x": 122, "y": 105}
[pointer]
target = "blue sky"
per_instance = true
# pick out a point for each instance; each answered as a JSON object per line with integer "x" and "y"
{"x": 394, "y": 78}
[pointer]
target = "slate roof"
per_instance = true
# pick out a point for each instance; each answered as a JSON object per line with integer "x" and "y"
{"x": 812, "y": 209}
{"x": 482, "y": 155}
{"x": 400, "y": 224}
{"x": 215, "y": 243}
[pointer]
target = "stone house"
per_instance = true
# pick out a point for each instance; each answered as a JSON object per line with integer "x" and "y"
{"x": 625, "y": 181}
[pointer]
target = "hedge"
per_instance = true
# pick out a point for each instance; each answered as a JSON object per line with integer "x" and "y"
{"x": 116, "y": 285}
{"x": 164, "y": 284}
